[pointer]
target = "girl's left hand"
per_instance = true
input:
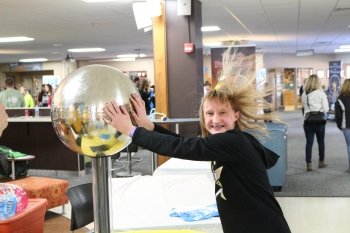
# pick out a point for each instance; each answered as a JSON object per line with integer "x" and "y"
{"x": 118, "y": 117}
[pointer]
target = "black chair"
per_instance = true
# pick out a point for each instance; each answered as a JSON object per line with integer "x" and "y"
{"x": 81, "y": 199}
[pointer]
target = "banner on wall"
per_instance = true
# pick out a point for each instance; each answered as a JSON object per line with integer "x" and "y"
{"x": 334, "y": 82}
{"x": 216, "y": 58}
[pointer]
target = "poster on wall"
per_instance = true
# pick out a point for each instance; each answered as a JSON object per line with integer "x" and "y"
{"x": 334, "y": 82}
{"x": 216, "y": 58}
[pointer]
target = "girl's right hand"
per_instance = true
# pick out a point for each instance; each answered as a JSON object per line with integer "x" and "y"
{"x": 138, "y": 113}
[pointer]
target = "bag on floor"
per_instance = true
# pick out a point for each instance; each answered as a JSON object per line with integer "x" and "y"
{"x": 315, "y": 118}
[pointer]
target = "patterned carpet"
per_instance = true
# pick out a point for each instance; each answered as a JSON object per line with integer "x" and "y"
{"x": 332, "y": 181}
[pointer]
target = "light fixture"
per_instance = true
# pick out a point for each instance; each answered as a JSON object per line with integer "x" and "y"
{"x": 86, "y": 50}
{"x": 306, "y": 52}
{"x": 33, "y": 60}
{"x": 15, "y": 39}
{"x": 212, "y": 44}
{"x": 342, "y": 50}
{"x": 210, "y": 28}
{"x": 97, "y": 1}
{"x": 125, "y": 59}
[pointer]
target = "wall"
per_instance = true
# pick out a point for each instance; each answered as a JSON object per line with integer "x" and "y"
{"x": 141, "y": 64}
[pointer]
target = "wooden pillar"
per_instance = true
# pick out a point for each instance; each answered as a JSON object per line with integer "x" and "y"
{"x": 178, "y": 75}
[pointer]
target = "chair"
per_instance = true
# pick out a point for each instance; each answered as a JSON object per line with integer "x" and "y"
{"x": 81, "y": 199}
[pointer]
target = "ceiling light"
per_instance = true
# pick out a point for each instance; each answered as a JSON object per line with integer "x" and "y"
{"x": 33, "y": 60}
{"x": 306, "y": 52}
{"x": 344, "y": 50}
{"x": 85, "y": 50}
{"x": 93, "y": 1}
{"x": 125, "y": 59}
{"x": 15, "y": 39}
{"x": 131, "y": 55}
{"x": 212, "y": 44}
{"x": 210, "y": 28}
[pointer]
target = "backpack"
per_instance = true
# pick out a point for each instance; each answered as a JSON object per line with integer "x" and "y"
{"x": 21, "y": 168}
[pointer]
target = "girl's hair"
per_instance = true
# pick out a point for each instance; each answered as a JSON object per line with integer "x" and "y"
{"x": 345, "y": 89}
{"x": 312, "y": 84}
{"x": 144, "y": 84}
{"x": 237, "y": 87}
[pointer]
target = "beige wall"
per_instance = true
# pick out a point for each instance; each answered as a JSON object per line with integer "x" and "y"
{"x": 142, "y": 64}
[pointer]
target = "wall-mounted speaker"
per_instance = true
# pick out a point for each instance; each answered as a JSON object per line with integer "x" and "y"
{"x": 183, "y": 7}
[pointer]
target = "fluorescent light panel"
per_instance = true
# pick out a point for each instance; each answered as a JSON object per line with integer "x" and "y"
{"x": 125, "y": 59}
{"x": 15, "y": 39}
{"x": 93, "y": 1}
{"x": 131, "y": 55}
{"x": 210, "y": 28}
{"x": 33, "y": 60}
{"x": 306, "y": 52}
{"x": 342, "y": 50}
{"x": 85, "y": 50}
{"x": 212, "y": 44}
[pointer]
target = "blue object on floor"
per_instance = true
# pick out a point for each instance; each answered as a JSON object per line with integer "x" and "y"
{"x": 189, "y": 214}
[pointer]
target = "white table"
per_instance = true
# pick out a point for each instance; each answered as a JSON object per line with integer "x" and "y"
{"x": 177, "y": 122}
{"x": 175, "y": 166}
{"x": 144, "y": 202}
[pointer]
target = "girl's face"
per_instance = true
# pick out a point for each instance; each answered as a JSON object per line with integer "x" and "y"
{"x": 219, "y": 117}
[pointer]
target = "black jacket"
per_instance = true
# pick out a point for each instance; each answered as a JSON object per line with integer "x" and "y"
{"x": 244, "y": 196}
{"x": 342, "y": 112}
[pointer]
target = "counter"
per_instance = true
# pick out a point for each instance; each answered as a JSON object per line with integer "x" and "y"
{"x": 36, "y": 136}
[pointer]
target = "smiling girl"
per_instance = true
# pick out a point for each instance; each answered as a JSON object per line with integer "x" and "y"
{"x": 244, "y": 196}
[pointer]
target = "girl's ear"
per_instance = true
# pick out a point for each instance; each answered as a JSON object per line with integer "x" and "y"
{"x": 237, "y": 115}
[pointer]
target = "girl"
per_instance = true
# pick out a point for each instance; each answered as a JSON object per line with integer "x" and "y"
{"x": 244, "y": 196}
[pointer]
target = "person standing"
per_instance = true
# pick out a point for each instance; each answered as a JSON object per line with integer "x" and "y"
{"x": 313, "y": 100}
{"x": 3, "y": 118}
{"x": 342, "y": 113}
{"x": 28, "y": 99}
{"x": 11, "y": 97}
{"x": 244, "y": 196}
{"x": 143, "y": 89}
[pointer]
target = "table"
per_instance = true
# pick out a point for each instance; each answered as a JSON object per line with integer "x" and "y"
{"x": 177, "y": 122}
{"x": 144, "y": 202}
{"x": 14, "y": 160}
{"x": 176, "y": 166}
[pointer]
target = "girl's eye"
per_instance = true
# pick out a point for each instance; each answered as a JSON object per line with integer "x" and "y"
{"x": 210, "y": 113}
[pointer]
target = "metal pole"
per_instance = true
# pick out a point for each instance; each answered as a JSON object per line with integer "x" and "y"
{"x": 101, "y": 181}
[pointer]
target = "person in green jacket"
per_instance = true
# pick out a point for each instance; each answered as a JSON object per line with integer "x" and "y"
{"x": 11, "y": 97}
{"x": 28, "y": 99}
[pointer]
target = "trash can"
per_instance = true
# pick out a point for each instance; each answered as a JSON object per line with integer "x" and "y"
{"x": 277, "y": 142}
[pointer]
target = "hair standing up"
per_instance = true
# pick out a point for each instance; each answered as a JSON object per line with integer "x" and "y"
{"x": 237, "y": 87}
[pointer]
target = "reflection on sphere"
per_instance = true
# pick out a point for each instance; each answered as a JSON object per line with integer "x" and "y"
{"x": 77, "y": 110}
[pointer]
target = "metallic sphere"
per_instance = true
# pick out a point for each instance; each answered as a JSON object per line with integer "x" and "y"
{"x": 77, "y": 114}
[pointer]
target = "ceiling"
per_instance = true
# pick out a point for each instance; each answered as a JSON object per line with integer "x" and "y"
{"x": 274, "y": 26}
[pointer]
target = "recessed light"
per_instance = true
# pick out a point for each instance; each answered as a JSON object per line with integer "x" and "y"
{"x": 212, "y": 44}
{"x": 15, "y": 39}
{"x": 33, "y": 60}
{"x": 124, "y": 59}
{"x": 344, "y": 50}
{"x": 210, "y": 28}
{"x": 85, "y": 50}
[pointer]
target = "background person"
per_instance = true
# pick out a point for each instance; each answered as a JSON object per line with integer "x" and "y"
{"x": 244, "y": 196}
{"x": 28, "y": 99}
{"x": 3, "y": 118}
{"x": 313, "y": 100}
{"x": 342, "y": 113}
{"x": 11, "y": 97}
